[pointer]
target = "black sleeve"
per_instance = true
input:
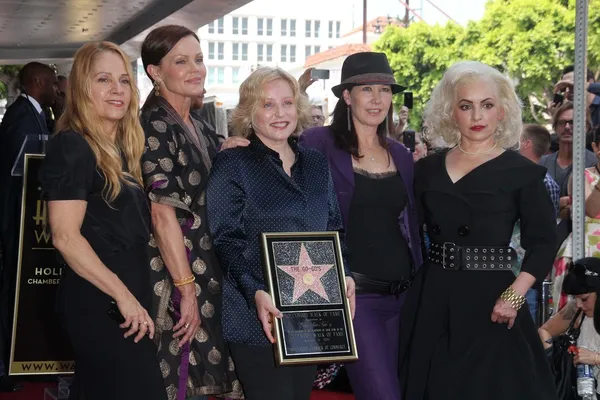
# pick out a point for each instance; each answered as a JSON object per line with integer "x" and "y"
{"x": 69, "y": 168}
{"x": 538, "y": 228}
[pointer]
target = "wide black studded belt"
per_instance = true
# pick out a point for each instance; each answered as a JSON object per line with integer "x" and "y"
{"x": 473, "y": 258}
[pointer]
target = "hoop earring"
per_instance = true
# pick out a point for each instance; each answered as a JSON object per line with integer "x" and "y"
{"x": 156, "y": 88}
{"x": 349, "y": 114}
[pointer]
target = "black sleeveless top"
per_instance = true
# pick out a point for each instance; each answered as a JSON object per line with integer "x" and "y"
{"x": 376, "y": 245}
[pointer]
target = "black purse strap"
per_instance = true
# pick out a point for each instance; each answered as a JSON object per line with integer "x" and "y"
{"x": 573, "y": 332}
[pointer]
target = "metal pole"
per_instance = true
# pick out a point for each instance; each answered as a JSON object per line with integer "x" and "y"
{"x": 580, "y": 107}
{"x": 364, "y": 21}
{"x": 406, "y": 14}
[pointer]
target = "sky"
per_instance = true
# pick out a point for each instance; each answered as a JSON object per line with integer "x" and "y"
{"x": 459, "y": 10}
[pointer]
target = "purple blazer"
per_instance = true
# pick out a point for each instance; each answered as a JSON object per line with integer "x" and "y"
{"x": 340, "y": 164}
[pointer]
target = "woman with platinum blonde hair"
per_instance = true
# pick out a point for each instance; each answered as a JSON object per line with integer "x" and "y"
{"x": 272, "y": 185}
{"x": 466, "y": 332}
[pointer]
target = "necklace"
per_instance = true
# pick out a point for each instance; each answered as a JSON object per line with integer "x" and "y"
{"x": 474, "y": 153}
{"x": 372, "y": 158}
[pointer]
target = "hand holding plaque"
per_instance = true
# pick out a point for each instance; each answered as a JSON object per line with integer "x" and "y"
{"x": 266, "y": 313}
{"x": 315, "y": 301}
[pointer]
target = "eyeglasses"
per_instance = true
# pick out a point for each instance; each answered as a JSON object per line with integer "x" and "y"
{"x": 563, "y": 123}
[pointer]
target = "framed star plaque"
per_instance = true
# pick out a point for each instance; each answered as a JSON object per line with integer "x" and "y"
{"x": 305, "y": 277}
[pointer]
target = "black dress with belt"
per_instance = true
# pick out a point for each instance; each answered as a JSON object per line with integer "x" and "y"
{"x": 450, "y": 348}
{"x": 108, "y": 366}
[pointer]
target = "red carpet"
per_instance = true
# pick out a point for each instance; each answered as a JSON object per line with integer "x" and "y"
{"x": 35, "y": 391}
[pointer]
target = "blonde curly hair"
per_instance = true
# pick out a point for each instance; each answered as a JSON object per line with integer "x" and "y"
{"x": 439, "y": 124}
{"x": 252, "y": 93}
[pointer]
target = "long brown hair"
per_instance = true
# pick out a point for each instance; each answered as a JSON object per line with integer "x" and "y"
{"x": 80, "y": 116}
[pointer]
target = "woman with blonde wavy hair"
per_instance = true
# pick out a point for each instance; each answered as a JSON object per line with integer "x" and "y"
{"x": 273, "y": 185}
{"x": 100, "y": 224}
{"x": 466, "y": 332}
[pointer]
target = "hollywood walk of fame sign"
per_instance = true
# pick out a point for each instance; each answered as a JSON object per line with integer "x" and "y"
{"x": 305, "y": 276}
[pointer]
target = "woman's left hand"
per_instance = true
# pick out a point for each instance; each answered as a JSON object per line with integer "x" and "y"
{"x": 503, "y": 313}
{"x": 351, "y": 294}
{"x": 585, "y": 356}
{"x": 234, "y": 141}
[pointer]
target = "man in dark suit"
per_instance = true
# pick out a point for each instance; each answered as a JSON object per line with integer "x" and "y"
{"x": 24, "y": 117}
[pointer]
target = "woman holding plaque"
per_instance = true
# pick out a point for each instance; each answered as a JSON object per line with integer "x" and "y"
{"x": 273, "y": 185}
{"x": 467, "y": 331}
{"x": 100, "y": 224}
{"x": 185, "y": 273}
{"x": 373, "y": 178}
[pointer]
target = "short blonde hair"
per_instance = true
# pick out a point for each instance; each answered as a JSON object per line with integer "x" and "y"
{"x": 439, "y": 122}
{"x": 252, "y": 93}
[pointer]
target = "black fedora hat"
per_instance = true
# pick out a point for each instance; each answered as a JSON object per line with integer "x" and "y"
{"x": 367, "y": 68}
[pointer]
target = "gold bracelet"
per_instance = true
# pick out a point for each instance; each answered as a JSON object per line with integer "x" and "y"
{"x": 184, "y": 281}
{"x": 514, "y": 299}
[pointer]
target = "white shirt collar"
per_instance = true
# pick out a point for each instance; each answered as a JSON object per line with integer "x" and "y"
{"x": 34, "y": 102}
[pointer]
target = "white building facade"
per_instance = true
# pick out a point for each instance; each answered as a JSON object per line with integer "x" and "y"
{"x": 268, "y": 33}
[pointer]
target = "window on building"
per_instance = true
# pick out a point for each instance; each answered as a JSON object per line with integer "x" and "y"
{"x": 245, "y": 52}
{"x": 260, "y": 52}
{"x": 221, "y": 51}
{"x": 235, "y": 56}
{"x": 269, "y": 52}
{"x": 244, "y": 26}
{"x": 236, "y": 25}
{"x": 212, "y": 77}
{"x": 308, "y": 25}
{"x": 293, "y": 28}
{"x": 307, "y": 51}
{"x": 220, "y": 75}
{"x": 211, "y": 27}
{"x": 260, "y": 27}
{"x": 220, "y": 25}
{"x": 269, "y": 26}
{"x": 293, "y": 53}
{"x": 317, "y": 49}
{"x": 284, "y": 53}
{"x": 338, "y": 29}
{"x": 211, "y": 50}
{"x": 235, "y": 76}
{"x": 284, "y": 30}
{"x": 317, "y": 26}
{"x": 330, "y": 29}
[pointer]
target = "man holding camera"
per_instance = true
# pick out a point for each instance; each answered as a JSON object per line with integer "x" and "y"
{"x": 564, "y": 90}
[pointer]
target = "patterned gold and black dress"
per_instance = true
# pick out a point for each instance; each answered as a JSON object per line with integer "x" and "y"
{"x": 176, "y": 166}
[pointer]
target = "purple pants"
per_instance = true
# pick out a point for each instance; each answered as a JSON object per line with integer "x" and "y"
{"x": 376, "y": 327}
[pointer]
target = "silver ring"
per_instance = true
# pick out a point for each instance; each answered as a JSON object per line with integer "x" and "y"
{"x": 186, "y": 326}
{"x": 145, "y": 322}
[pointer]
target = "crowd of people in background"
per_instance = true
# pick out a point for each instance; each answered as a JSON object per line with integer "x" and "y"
{"x": 449, "y": 226}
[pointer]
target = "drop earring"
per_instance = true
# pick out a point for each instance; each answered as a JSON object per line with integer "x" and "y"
{"x": 349, "y": 114}
{"x": 156, "y": 88}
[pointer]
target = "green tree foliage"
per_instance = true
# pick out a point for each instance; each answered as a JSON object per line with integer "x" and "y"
{"x": 529, "y": 40}
{"x": 419, "y": 55}
{"x": 8, "y": 81}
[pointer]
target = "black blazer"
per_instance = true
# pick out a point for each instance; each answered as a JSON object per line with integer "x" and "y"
{"x": 18, "y": 122}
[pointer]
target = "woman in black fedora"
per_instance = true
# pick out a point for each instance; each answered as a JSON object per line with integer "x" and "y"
{"x": 373, "y": 178}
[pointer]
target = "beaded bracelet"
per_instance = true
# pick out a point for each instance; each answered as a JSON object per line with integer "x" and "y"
{"x": 514, "y": 299}
{"x": 184, "y": 281}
